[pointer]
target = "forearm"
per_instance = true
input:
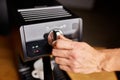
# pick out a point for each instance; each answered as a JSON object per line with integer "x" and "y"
{"x": 112, "y": 59}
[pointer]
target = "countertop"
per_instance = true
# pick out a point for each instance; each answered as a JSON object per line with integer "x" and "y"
{"x": 8, "y": 68}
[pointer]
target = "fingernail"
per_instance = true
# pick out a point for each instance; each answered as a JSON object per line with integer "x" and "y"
{"x": 53, "y": 43}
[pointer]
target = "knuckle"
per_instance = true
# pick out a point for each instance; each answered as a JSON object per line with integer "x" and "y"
{"x": 61, "y": 67}
{"x": 74, "y": 55}
{"x": 57, "y": 60}
{"x": 58, "y": 42}
{"x": 53, "y": 52}
{"x": 84, "y": 44}
{"x": 74, "y": 64}
{"x": 72, "y": 44}
{"x": 75, "y": 70}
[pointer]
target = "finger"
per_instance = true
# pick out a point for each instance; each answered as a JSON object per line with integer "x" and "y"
{"x": 62, "y": 61}
{"x": 50, "y": 38}
{"x": 62, "y": 44}
{"x": 75, "y": 70}
{"x": 60, "y": 53}
{"x": 63, "y": 37}
{"x": 65, "y": 68}
{"x": 69, "y": 69}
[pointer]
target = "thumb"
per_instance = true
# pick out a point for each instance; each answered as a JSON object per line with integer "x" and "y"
{"x": 63, "y": 37}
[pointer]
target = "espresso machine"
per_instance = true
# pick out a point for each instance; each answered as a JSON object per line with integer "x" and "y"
{"x": 36, "y": 24}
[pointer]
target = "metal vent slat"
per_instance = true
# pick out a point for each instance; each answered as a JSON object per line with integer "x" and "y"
{"x": 59, "y": 13}
{"x": 47, "y": 17}
{"x": 36, "y": 11}
{"x": 33, "y": 16}
{"x": 44, "y": 13}
{"x": 33, "y": 19}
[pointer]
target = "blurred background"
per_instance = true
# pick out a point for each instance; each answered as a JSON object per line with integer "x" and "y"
{"x": 101, "y": 19}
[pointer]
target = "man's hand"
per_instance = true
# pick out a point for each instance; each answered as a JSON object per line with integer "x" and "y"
{"x": 77, "y": 57}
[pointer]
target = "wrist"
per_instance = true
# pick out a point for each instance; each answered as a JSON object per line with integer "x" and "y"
{"x": 104, "y": 64}
{"x": 108, "y": 62}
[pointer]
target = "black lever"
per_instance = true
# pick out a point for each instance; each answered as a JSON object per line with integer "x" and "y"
{"x": 58, "y": 74}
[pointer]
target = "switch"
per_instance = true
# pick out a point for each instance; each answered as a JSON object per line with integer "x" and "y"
{"x": 36, "y": 51}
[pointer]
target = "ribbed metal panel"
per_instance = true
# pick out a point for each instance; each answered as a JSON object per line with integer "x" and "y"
{"x": 44, "y": 13}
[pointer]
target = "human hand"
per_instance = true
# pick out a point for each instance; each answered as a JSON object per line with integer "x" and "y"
{"x": 77, "y": 57}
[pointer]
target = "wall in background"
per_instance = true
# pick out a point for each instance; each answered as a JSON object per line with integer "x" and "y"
{"x": 79, "y": 4}
{"x": 101, "y": 21}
